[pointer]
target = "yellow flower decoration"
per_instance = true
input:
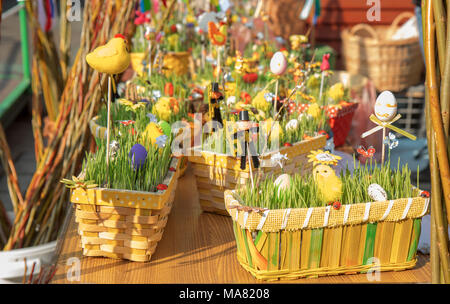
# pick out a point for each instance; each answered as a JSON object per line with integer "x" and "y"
{"x": 323, "y": 158}
{"x": 229, "y": 61}
{"x": 124, "y": 102}
{"x": 164, "y": 108}
{"x": 130, "y": 106}
{"x": 314, "y": 110}
{"x": 230, "y": 89}
{"x": 139, "y": 105}
{"x": 260, "y": 102}
{"x": 297, "y": 41}
{"x": 191, "y": 19}
{"x": 336, "y": 91}
{"x": 172, "y": 40}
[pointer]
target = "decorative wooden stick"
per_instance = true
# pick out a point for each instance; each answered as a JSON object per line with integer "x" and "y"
{"x": 108, "y": 122}
{"x": 250, "y": 165}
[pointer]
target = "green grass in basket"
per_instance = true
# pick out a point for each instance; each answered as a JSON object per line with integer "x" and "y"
{"x": 306, "y": 126}
{"x": 120, "y": 173}
{"x": 303, "y": 192}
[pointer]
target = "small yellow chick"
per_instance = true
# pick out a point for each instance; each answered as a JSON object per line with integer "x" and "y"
{"x": 336, "y": 91}
{"x": 165, "y": 107}
{"x": 314, "y": 110}
{"x": 151, "y": 133}
{"x": 330, "y": 186}
{"x": 111, "y": 58}
{"x": 260, "y": 102}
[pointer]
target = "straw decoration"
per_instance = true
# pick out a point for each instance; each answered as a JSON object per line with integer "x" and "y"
{"x": 71, "y": 105}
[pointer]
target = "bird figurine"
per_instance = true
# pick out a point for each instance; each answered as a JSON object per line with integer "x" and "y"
{"x": 218, "y": 35}
{"x": 330, "y": 186}
{"x": 111, "y": 58}
{"x": 152, "y": 132}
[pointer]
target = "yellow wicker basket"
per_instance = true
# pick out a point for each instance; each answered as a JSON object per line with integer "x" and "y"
{"x": 311, "y": 242}
{"x": 215, "y": 173}
{"x": 173, "y": 62}
{"x": 123, "y": 224}
{"x": 176, "y": 63}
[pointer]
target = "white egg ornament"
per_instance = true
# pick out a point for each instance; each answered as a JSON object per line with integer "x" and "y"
{"x": 283, "y": 182}
{"x": 377, "y": 193}
{"x": 385, "y": 106}
{"x": 292, "y": 125}
{"x": 278, "y": 63}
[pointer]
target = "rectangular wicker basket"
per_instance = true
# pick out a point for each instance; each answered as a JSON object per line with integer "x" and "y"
{"x": 123, "y": 224}
{"x": 312, "y": 242}
{"x": 215, "y": 173}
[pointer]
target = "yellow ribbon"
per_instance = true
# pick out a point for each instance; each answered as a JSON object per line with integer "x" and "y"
{"x": 388, "y": 125}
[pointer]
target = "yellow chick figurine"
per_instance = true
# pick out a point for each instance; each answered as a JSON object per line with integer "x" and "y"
{"x": 260, "y": 102}
{"x": 165, "y": 107}
{"x": 330, "y": 186}
{"x": 111, "y": 58}
{"x": 152, "y": 132}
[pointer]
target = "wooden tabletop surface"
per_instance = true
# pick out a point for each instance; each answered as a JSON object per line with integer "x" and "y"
{"x": 196, "y": 247}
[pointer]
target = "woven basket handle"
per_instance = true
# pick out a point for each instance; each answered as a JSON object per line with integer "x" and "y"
{"x": 396, "y": 21}
{"x": 364, "y": 27}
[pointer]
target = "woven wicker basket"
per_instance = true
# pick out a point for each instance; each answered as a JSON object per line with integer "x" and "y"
{"x": 123, "y": 224}
{"x": 215, "y": 173}
{"x": 173, "y": 62}
{"x": 392, "y": 64}
{"x": 297, "y": 243}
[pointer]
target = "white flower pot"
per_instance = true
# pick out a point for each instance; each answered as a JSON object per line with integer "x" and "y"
{"x": 12, "y": 262}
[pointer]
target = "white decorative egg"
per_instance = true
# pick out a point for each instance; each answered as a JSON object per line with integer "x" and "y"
{"x": 292, "y": 125}
{"x": 231, "y": 101}
{"x": 377, "y": 193}
{"x": 278, "y": 63}
{"x": 283, "y": 182}
{"x": 386, "y": 106}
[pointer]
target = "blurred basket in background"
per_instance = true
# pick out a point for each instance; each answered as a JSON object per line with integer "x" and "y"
{"x": 392, "y": 64}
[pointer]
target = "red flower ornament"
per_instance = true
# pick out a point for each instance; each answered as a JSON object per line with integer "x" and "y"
{"x": 337, "y": 205}
{"x": 425, "y": 194}
{"x": 162, "y": 187}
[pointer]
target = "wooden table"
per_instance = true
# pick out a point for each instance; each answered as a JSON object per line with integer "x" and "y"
{"x": 196, "y": 247}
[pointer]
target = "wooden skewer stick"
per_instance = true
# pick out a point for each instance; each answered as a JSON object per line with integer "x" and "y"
{"x": 250, "y": 165}
{"x": 218, "y": 64}
{"x": 276, "y": 99}
{"x": 383, "y": 146}
{"x": 108, "y": 124}
{"x": 150, "y": 58}
{"x": 321, "y": 86}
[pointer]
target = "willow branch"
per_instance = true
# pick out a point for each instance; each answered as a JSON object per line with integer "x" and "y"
{"x": 435, "y": 109}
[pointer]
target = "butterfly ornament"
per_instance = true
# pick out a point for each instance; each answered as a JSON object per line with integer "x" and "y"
{"x": 369, "y": 153}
